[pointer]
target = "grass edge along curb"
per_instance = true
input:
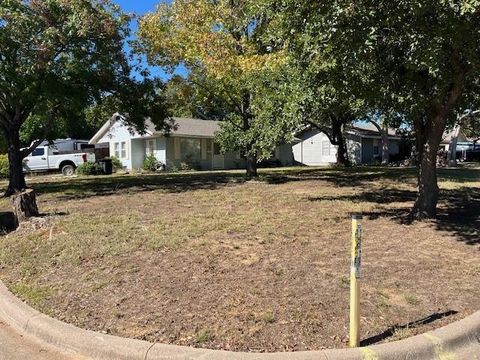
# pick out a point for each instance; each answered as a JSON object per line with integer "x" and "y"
{"x": 443, "y": 343}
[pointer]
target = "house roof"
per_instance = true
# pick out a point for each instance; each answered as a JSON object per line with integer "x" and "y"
{"x": 179, "y": 127}
{"x": 188, "y": 127}
{"x": 366, "y": 130}
{"x": 449, "y": 135}
{"x": 370, "y": 129}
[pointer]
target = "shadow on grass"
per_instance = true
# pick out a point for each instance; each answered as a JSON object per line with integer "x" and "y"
{"x": 84, "y": 187}
{"x": 461, "y": 215}
{"x": 179, "y": 182}
{"x": 362, "y": 175}
{"x": 411, "y": 325}
{"x": 343, "y": 177}
{"x": 458, "y": 213}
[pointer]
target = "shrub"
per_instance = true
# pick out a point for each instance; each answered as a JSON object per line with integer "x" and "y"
{"x": 116, "y": 163}
{"x": 184, "y": 166}
{"x": 189, "y": 164}
{"x": 3, "y": 166}
{"x": 152, "y": 164}
{"x": 171, "y": 168}
{"x": 89, "y": 168}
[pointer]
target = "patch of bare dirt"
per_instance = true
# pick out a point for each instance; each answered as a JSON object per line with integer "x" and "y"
{"x": 251, "y": 267}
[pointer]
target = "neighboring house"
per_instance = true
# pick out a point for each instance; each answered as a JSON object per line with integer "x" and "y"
{"x": 467, "y": 149}
{"x": 364, "y": 146}
{"x": 463, "y": 143}
{"x": 190, "y": 141}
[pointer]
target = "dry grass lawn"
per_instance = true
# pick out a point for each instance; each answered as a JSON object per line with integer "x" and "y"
{"x": 207, "y": 259}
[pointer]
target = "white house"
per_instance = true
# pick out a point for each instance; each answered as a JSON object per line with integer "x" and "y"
{"x": 190, "y": 141}
{"x": 363, "y": 144}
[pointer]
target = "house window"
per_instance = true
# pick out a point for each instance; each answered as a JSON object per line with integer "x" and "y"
{"x": 120, "y": 150}
{"x": 376, "y": 148}
{"x": 190, "y": 149}
{"x": 123, "y": 149}
{"x": 209, "y": 148}
{"x": 204, "y": 149}
{"x": 149, "y": 147}
{"x": 326, "y": 148}
{"x": 216, "y": 149}
{"x": 176, "y": 145}
{"x": 116, "y": 147}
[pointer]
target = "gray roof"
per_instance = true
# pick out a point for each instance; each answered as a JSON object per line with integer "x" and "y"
{"x": 450, "y": 134}
{"x": 369, "y": 127}
{"x": 188, "y": 127}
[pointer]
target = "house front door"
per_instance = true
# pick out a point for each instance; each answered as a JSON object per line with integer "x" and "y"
{"x": 218, "y": 159}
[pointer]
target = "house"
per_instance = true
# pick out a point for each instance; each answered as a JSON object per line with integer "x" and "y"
{"x": 463, "y": 142}
{"x": 190, "y": 141}
{"x": 466, "y": 148}
{"x": 364, "y": 145}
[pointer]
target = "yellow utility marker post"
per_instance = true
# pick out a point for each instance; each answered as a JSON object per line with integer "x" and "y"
{"x": 355, "y": 280}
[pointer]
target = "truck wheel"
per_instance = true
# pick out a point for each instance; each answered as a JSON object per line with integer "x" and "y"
{"x": 68, "y": 170}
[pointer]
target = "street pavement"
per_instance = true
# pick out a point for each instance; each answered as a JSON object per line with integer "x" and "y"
{"x": 14, "y": 346}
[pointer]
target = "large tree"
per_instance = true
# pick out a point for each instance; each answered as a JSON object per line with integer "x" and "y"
{"x": 220, "y": 41}
{"x": 332, "y": 90}
{"x": 418, "y": 61}
{"x": 56, "y": 58}
{"x": 426, "y": 60}
{"x": 190, "y": 96}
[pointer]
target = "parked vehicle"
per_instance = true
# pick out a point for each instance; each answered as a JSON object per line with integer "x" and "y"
{"x": 473, "y": 154}
{"x": 468, "y": 151}
{"x": 46, "y": 158}
{"x": 67, "y": 145}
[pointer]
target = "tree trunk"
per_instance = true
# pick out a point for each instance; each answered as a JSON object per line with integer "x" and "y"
{"x": 342, "y": 153}
{"x": 428, "y": 142}
{"x": 251, "y": 158}
{"x": 24, "y": 205}
{"x": 15, "y": 164}
{"x": 452, "y": 148}
{"x": 427, "y": 197}
{"x": 385, "y": 148}
{"x": 383, "y": 131}
{"x": 251, "y": 166}
{"x": 428, "y": 133}
{"x": 339, "y": 140}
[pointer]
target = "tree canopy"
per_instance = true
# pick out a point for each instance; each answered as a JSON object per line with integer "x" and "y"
{"x": 416, "y": 62}
{"x": 220, "y": 41}
{"x": 56, "y": 59}
{"x": 190, "y": 97}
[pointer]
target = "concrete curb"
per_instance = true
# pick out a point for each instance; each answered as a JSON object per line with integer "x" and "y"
{"x": 460, "y": 340}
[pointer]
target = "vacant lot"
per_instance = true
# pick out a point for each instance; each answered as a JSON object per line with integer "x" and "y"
{"x": 210, "y": 260}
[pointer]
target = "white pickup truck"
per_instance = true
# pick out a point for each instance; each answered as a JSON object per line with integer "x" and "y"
{"x": 46, "y": 158}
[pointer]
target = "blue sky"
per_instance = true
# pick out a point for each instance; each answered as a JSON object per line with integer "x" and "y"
{"x": 140, "y": 7}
